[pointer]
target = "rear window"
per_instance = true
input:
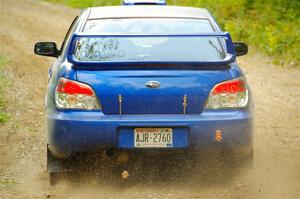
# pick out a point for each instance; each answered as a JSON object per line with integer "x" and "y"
{"x": 148, "y": 48}
{"x": 148, "y": 40}
{"x": 147, "y": 26}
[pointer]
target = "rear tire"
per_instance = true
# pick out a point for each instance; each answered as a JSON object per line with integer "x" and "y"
{"x": 54, "y": 178}
{"x": 248, "y": 158}
{"x": 55, "y": 167}
{"x": 244, "y": 157}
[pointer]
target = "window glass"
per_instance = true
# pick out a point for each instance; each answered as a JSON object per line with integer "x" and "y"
{"x": 68, "y": 35}
{"x": 148, "y": 48}
{"x": 147, "y": 26}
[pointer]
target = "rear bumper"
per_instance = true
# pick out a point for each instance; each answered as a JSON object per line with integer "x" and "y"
{"x": 76, "y": 131}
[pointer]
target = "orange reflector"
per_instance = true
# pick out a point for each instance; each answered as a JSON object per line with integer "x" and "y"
{"x": 218, "y": 135}
{"x": 125, "y": 175}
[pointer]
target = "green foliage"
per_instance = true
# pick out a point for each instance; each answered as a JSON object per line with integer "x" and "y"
{"x": 87, "y": 3}
{"x": 271, "y": 25}
{"x": 3, "y": 117}
{"x": 3, "y": 85}
{"x": 7, "y": 182}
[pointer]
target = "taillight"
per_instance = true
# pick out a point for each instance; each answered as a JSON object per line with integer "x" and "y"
{"x": 71, "y": 94}
{"x": 229, "y": 94}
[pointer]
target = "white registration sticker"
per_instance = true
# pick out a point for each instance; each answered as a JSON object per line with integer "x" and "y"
{"x": 153, "y": 137}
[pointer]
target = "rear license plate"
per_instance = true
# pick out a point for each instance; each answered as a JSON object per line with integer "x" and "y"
{"x": 153, "y": 137}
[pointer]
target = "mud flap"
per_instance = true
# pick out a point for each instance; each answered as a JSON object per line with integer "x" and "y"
{"x": 56, "y": 165}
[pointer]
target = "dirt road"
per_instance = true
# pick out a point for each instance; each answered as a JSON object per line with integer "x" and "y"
{"x": 276, "y": 90}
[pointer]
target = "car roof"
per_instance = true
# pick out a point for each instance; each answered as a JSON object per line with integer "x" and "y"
{"x": 141, "y": 11}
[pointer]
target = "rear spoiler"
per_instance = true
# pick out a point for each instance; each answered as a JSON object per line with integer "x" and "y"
{"x": 230, "y": 57}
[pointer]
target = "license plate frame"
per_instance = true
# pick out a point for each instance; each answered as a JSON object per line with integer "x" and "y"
{"x": 153, "y": 137}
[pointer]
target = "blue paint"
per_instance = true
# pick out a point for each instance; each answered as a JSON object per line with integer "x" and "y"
{"x": 139, "y": 99}
{"x": 230, "y": 57}
{"x": 71, "y": 131}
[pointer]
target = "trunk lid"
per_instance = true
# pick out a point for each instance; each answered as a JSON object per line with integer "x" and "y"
{"x": 137, "y": 98}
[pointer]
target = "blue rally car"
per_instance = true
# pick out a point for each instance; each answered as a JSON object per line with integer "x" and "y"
{"x": 146, "y": 77}
{"x": 144, "y": 2}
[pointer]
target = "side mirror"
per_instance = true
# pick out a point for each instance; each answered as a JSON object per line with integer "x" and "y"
{"x": 46, "y": 49}
{"x": 240, "y": 48}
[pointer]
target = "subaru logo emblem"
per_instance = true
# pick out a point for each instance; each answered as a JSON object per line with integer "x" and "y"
{"x": 152, "y": 84}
